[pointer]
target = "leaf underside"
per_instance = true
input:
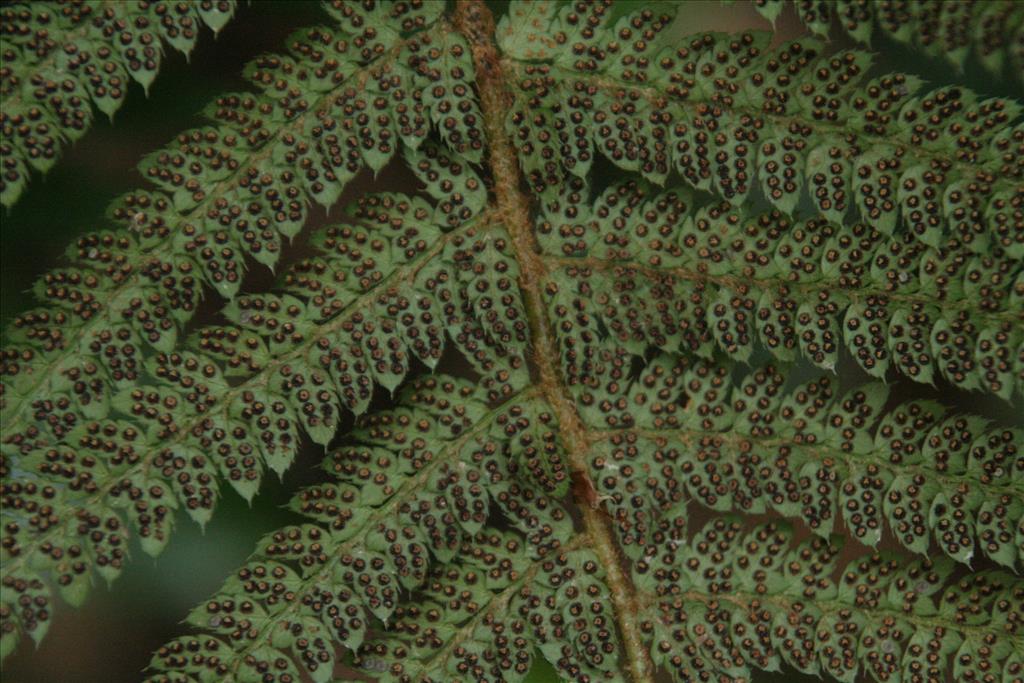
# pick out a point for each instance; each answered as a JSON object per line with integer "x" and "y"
{"x": 576, "y": 366}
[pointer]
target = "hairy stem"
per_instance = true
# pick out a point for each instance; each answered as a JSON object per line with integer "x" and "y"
{"x": 476, "y": 23}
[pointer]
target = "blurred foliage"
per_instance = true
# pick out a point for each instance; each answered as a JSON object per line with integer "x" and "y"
{"x": 111, "y": 639}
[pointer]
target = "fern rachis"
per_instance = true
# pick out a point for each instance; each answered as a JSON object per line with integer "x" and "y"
{"x": 606, "y": 334}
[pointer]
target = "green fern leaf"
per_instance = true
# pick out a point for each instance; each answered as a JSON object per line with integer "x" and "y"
{"x": 234, "y": 190}
{"x": 382, "y": 289}
{"x": 790, "y": 600}
{"x": 194, "y": 424}
{"x": 913, "y": 468}
{"x": 68, "y": 369}
{"x": 730, "y": 601}
{"x": 631, "y": 352}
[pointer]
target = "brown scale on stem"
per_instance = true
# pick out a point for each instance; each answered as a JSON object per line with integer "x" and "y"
{"x": 475, "y": 21}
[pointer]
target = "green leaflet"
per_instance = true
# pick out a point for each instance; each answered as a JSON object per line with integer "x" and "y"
{"x": 729, "y": 113}
{"x": 650, "y": 270}
{"x": 756, "y": 446}
{"x": 60, "y": 61}
{"x": 328, "y": 583}
{"x": 777, "y": 603}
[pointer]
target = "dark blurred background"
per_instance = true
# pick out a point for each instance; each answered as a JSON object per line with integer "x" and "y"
{"x": 110, "y": 639}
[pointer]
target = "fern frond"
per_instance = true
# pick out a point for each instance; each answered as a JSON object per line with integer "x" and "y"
{"x": 413, "y": 508}
{"x": 730, "y": 114}
{"x": 730, "y": 601}
{"x": 991, "y": 30}
{"x": 60, "y": 59}
{"x": 540, "y": 503}
{"x": 646, "y": 268}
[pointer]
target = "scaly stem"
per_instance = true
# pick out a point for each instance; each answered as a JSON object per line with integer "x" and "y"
{"x": 475, "y": 21}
